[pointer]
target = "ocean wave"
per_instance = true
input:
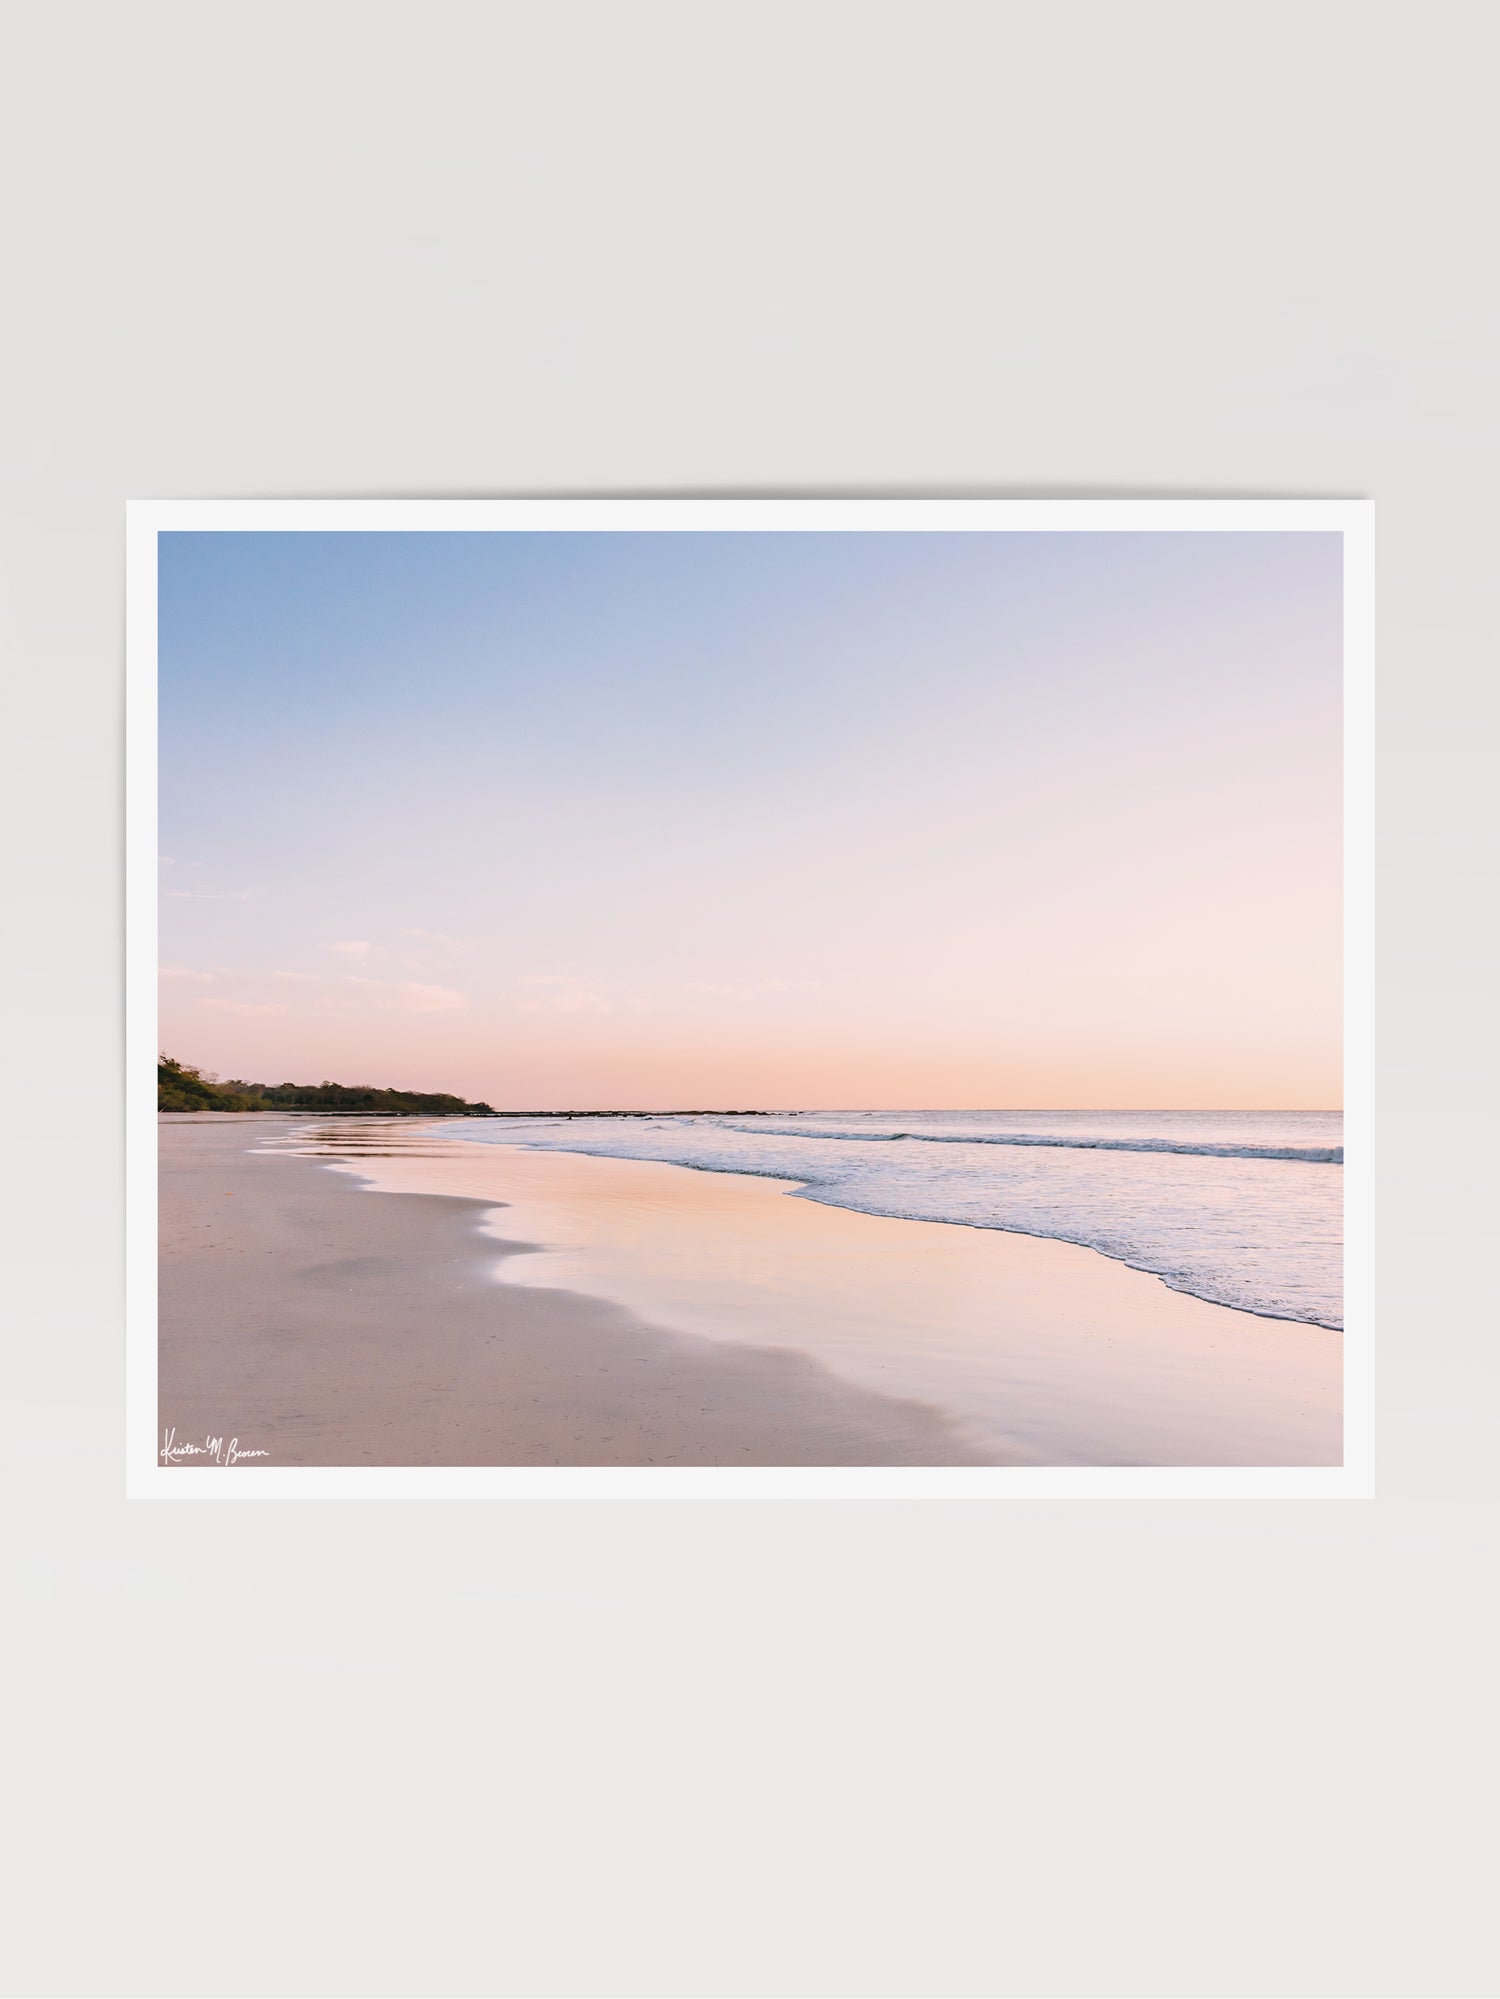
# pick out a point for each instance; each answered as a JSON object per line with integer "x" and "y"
{"x": 1317, "y": 1155}
{"x": 1228, "y": 1229}
{"x": 1212, "y": 1289}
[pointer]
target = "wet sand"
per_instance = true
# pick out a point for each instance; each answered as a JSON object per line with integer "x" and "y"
{"x": 436, "y": 1301}
{"x": 327, "y": 1326}
{"x": 1048, "y": 1353}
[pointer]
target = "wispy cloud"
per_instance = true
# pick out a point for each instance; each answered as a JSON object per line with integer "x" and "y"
{"x": 762, "y": 989}
{"x": 243, "y": 1006}
{"x": 412, "y": 997}
{"x": 350, "y": 947}
{"x": 211, "y": 895}
{"x": 408, "y": 996}
{"x": 322, "y": 992}
{"x": 559, "y": 992}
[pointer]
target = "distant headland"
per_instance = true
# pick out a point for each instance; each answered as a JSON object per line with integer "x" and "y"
{"x": 181, "y": 1088}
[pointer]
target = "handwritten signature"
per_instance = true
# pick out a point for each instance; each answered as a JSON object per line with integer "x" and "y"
{"x": 218, "y": 1450}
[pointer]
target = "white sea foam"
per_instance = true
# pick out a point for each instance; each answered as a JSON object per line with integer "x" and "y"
{"x": 1243, "y": 1208}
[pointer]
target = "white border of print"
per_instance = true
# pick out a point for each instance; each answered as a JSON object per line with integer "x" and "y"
{"x": 147, "y": 1477}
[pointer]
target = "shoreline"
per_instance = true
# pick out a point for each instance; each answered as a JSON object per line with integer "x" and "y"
{"x": 1131, "y": 1198}
{"x": 1050, "y": 1352}
{"x": 499, "y": 1306}
{"x": 798, "y": 1187}
{"x": 330, "y": 1330}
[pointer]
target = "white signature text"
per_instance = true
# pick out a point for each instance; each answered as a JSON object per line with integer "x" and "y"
{"x": 176, "y": 1450}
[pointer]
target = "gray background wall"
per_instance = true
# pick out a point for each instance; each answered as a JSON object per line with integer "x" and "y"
{"x": 857, "y": 1748}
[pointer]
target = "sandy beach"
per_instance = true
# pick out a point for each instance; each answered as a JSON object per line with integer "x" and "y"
{"x": 435, "y": 1302}
{"x": 328, "y": 1327}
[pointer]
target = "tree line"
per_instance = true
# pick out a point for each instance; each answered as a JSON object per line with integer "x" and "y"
{"x": 179, "y": 1087}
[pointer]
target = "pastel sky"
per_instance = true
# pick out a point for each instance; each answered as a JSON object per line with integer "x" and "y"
{"x": 756, "y": 820}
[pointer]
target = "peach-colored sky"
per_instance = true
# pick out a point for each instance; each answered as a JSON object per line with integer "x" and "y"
{"x": 756, "y": 820}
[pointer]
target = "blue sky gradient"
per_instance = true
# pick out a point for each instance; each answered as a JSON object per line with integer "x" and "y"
{"x": 882, "y": 818}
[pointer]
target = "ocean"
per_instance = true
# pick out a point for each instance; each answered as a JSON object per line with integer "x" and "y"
{"x": 1242, "y": 1208}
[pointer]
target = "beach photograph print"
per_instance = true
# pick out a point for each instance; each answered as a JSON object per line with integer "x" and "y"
{"x": 701, "y": 992}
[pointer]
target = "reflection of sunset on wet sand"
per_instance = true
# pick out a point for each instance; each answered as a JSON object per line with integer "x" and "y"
{"x": 1042, "y": 1352}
